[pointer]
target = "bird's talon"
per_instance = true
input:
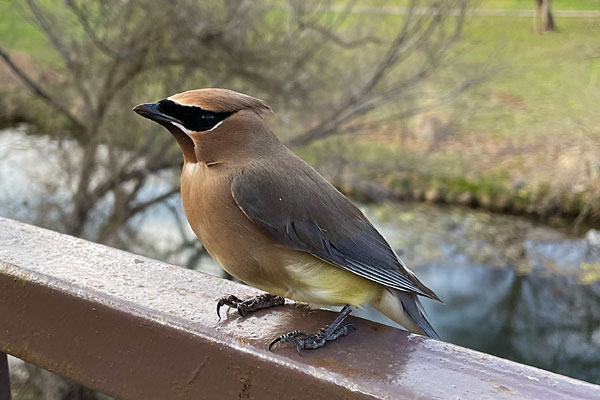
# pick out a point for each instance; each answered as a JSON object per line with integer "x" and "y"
{"x": 244, "y": 307}
{"x": 239, "y": 310}
{"x": 306, "y": 341}
{"x": 277, "y": 340}
{"x": 230, "y": 301}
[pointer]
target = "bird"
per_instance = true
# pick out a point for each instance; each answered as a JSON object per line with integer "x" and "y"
{"x": 273, "y": 222}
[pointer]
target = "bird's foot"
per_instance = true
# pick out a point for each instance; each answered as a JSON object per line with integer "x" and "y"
{"x": 327, "y": 334}
{"x": 315, "y": 341}
{"x": 252, "y": 304}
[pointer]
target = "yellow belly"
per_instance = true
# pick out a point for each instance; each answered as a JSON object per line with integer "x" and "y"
{"x": 311, "y": 280}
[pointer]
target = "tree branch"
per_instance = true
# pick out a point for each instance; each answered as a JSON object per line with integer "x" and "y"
{"x": 142, "y": 206}
{"x": 37, "y": 89}
{"x": 56, "y": 42}
{"x": 402, "y": 47}
{"x": 410, "y": 111}
{"x": 100, "y": 45}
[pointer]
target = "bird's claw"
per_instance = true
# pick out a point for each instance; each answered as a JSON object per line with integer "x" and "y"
{"x": 312, "y": 341}
{"x": 231, "y": 301}
{"x": 252, "y": 304}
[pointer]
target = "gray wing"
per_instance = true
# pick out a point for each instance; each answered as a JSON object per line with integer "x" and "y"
{"x": 300, "y": 209}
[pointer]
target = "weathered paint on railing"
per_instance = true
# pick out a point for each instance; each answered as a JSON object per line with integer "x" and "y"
{"x": 136, "y": 328}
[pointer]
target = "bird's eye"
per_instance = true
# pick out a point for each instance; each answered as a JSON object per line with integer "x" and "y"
{"x": 208, "y": 116}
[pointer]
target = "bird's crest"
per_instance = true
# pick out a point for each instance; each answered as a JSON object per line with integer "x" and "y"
{"x": 220, "y": 100}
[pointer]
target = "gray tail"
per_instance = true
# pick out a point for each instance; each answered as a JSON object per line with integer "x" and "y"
{"x": 413, "y": 307}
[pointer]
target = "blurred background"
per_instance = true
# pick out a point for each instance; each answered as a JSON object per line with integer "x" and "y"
{"x": 469, "y": 132}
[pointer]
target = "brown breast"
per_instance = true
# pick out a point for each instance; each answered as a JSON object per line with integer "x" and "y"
{"x": 235, "y": 242}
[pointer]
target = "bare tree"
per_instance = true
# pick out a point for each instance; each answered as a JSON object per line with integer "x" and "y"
{"x": 544, "y": 21}
{"x": 306, "y": 59}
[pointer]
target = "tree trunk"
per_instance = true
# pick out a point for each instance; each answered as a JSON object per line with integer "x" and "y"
{"x": 544, "y": 21}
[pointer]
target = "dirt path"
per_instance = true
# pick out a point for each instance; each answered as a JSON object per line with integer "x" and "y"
{"x": 481, "y": 12}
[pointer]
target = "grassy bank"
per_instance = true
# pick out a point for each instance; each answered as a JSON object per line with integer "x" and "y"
{"x": 525, "y": 141}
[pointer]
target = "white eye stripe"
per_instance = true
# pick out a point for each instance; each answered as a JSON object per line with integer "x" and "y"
{"x": 216, "y": 126}
{"x": 183, "y": 128}
{"x": 186, "y": 130}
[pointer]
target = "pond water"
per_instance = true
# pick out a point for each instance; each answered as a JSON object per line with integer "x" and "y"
{"x": 511, "y": 287}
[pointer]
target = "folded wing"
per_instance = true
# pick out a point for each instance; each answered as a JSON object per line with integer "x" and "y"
{"x": 300, "y": 209}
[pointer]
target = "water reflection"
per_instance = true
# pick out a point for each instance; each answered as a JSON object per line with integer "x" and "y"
{"x": 512, "y": 288}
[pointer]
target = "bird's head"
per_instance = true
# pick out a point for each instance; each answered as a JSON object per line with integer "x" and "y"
{"x": 207, "y": 122}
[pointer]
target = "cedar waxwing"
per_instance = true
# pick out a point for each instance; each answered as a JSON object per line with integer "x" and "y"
{"x": 272, "y": 221}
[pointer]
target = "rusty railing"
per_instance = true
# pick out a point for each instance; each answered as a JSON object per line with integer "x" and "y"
{"x": 137, "y": 328}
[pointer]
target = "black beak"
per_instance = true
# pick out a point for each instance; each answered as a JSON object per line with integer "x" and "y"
{"x": 150, "y": 111}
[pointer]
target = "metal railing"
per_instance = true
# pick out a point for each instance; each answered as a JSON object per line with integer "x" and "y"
{"x": 137, "y": 328}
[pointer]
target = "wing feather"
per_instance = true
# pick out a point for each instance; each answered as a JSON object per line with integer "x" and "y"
{"x": 300, "y": 209}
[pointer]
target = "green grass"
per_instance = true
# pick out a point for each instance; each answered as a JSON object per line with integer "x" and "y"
{"x": 541, "y": 82}
{"x": 19, "y": 35}
{"x": 18, "y": 32}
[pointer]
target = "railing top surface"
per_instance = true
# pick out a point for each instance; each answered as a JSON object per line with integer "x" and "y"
{"x": 134, "y": 327}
